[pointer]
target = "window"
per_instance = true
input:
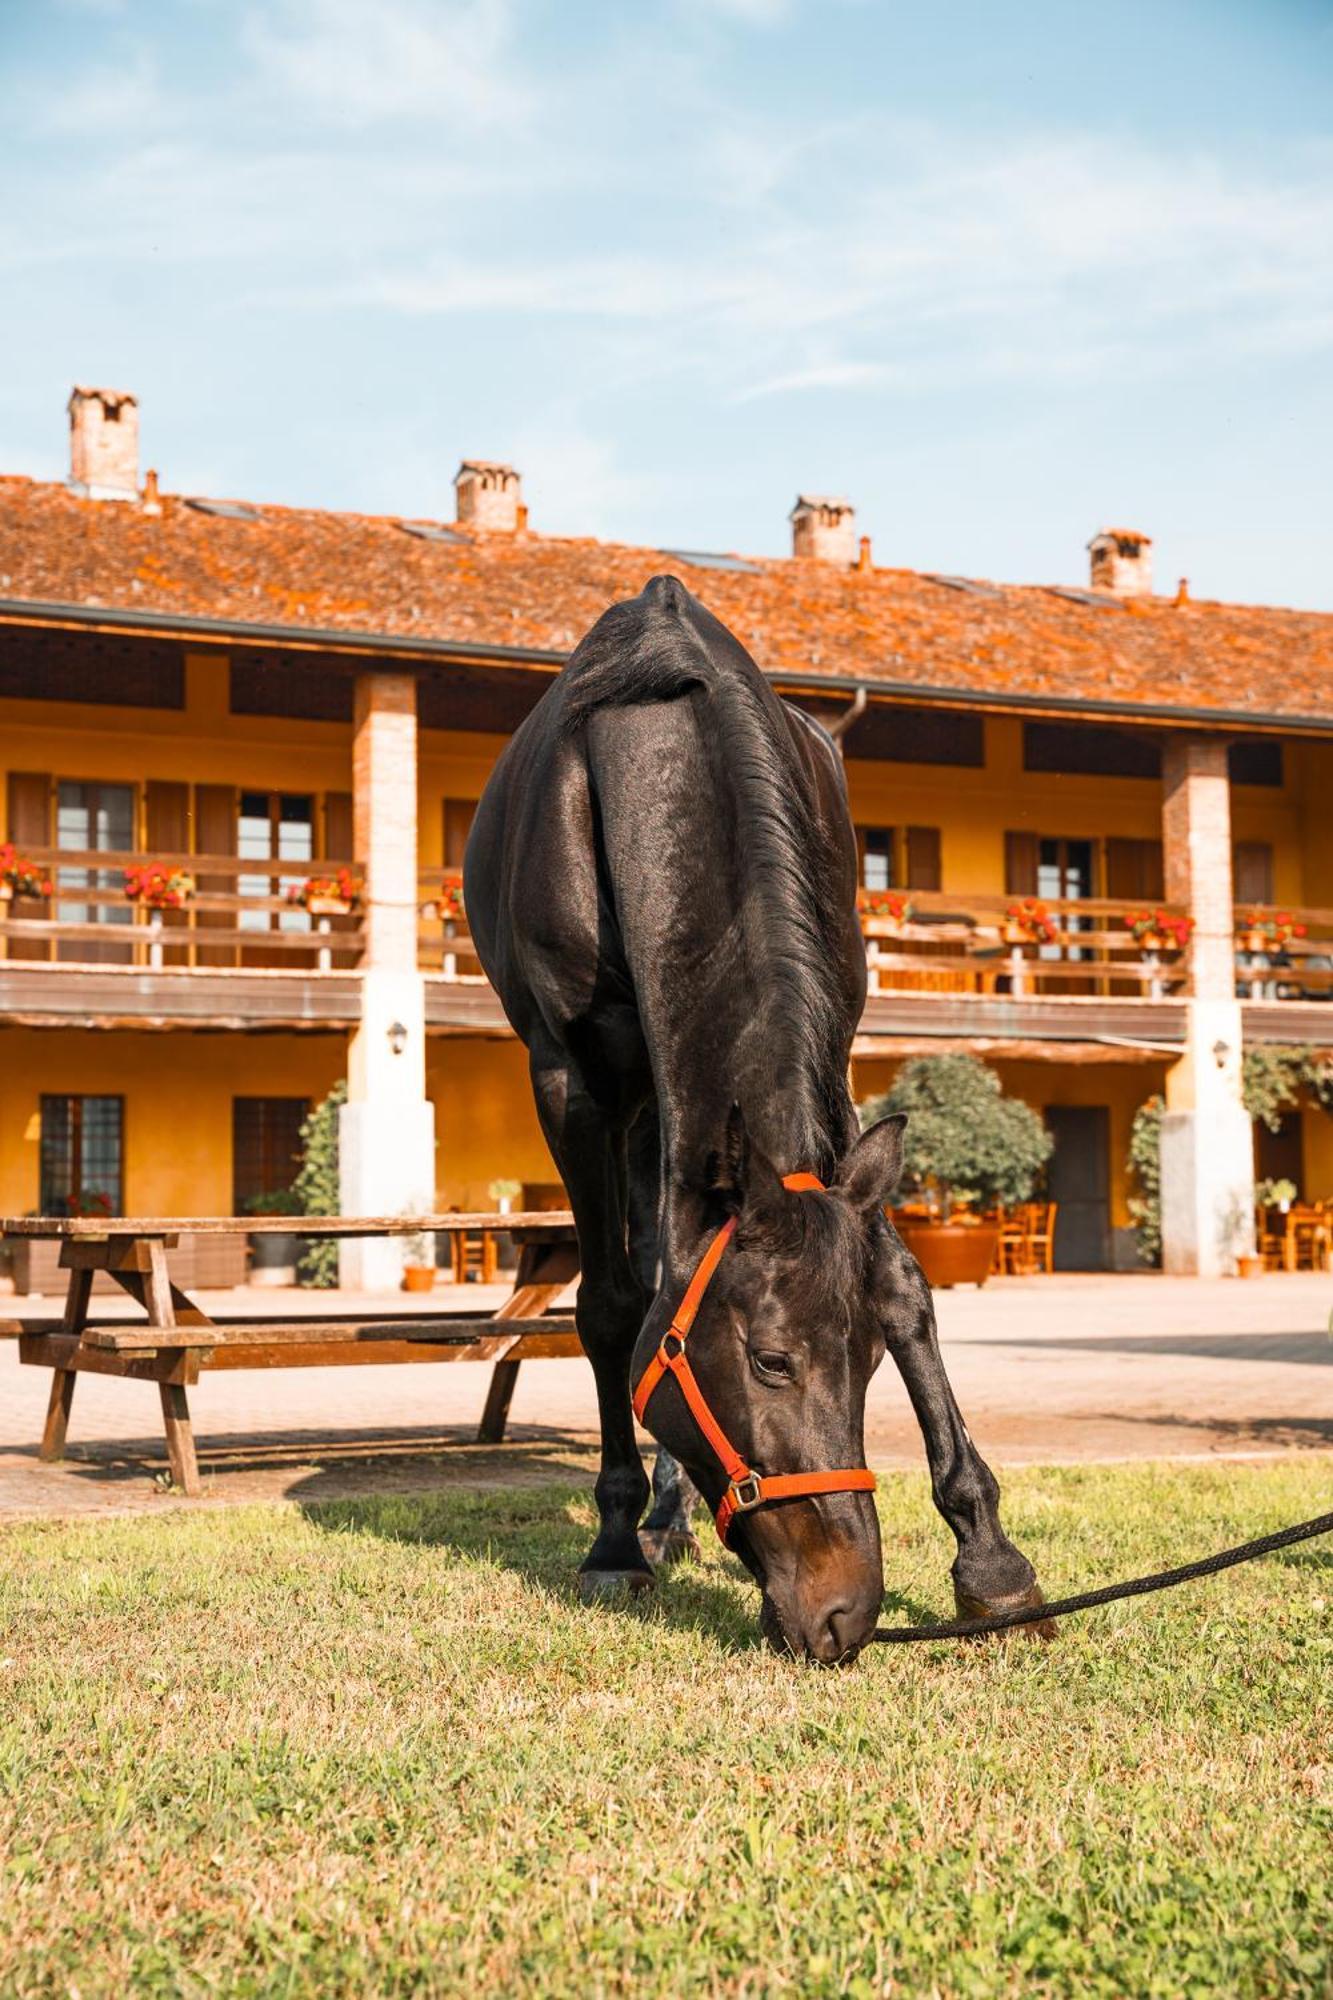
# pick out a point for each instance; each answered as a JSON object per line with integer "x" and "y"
{"x": 876, "y": 854}
{"x": 275, "y": 826}
{"x": 82, "y": 1154}
{"x": 98, "y": 819}
{"x": 1064, "y": 874}
{"x": 265, "y": 1145}
{"x": 1090, "y": 749}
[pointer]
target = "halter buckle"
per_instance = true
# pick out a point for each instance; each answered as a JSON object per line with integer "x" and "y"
{"x": 673, "y": 1345}
{"x": 746, "y": 1494}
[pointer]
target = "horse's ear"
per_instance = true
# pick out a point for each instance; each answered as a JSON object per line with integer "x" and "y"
{"x": 870, "y": 1173}
{"x": 739, "y": 1172}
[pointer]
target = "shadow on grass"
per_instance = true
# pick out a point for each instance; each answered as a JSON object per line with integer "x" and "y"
{"x": 534, "y": 1532}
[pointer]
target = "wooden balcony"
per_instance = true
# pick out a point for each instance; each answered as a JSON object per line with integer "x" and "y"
{"x": 237, "y": 955}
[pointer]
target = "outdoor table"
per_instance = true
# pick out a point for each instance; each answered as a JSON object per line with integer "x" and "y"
{"x": 178, "y": 1340}
{"x": 1305, "y": 1225}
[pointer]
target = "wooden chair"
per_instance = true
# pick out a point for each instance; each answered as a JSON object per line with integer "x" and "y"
{"x": 474, "y": 1254}
{"x": 1041, "y": 1237}
{"x": 1269, "y": 1236}
{"x": 1013, "y": 1237}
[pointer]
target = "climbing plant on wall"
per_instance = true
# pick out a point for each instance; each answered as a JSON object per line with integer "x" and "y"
{"x": 317, "y": 1186}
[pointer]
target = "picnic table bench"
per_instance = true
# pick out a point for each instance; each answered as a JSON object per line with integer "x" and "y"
{"x": 177, "y": 1341}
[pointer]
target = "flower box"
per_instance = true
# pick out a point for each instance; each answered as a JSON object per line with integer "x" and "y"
{"x": 328, "y": 906}
{"x": 334, "y": 895}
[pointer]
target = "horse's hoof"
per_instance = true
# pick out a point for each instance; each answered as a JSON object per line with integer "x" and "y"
{"x": 665, "y": 1546}
{"x": 995, "y": 1607}
{"x": 596, "y": 1586}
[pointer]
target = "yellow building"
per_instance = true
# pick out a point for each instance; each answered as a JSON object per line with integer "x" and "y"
{"x": 256, "y": 695}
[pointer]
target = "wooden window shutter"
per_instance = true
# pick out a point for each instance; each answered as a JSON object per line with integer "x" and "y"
{"x": 1134, "y": 870}
{"x": 923, "y": 858}
{"x": 1252, "y": 868}
{"x": 339, "y": 839}
{"x": 167, "y": 831}
{"x": 458, "y": 817}
{"x": 1021, "y": 854}
{"x": 215, "y": 833}
{"x": 167, "y": 816}
{"x": 29, "y": 811}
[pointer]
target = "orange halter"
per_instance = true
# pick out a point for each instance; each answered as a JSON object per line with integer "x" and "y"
{"x": 746, "y": 1489}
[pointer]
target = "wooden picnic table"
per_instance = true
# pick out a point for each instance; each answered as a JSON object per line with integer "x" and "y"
{"x": 177, "y": 1340}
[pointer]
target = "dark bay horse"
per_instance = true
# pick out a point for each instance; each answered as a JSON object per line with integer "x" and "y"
{"x": 660, "y": 883}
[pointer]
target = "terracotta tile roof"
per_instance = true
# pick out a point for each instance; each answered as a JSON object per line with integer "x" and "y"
{"x": 357, "y": 574}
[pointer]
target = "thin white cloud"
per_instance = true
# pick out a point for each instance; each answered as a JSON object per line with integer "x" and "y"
{"x": 825, "y": 375}
{"x": 363, "y": 65}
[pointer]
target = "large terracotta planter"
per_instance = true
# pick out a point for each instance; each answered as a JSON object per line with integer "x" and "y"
{"x": 952, "y": 1253}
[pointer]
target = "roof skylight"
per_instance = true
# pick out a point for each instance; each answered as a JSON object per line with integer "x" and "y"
{"x": 430, "y": 531}
{"x": 229, "y": 510}
{"x": 1097, "y": 600}
{"x": 710, "y": 559}
{"x": 966, "y": 583}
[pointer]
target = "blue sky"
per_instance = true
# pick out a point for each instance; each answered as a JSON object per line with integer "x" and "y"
{"x": 1000, "y": 274}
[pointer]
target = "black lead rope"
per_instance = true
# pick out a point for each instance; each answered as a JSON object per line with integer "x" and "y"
{"x": 1087, "y": 1600}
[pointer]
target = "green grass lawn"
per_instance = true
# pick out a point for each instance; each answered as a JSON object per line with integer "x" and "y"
{"x": 378, "y": 1747}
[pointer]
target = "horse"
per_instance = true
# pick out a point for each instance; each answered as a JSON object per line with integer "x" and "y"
{"x": 660, "y": 884}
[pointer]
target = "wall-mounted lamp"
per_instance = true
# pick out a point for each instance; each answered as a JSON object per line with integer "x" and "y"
{"x": 397, "y": 1037}
{"x": 1221, "y": 1050}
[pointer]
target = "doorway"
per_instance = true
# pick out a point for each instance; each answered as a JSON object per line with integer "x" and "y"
{"x": 1079, "y": 1178}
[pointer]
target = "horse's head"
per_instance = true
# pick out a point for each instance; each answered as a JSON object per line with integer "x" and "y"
{"x": 786, "y": 1339}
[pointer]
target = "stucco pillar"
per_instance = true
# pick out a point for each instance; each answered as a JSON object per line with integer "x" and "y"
{"x": 386, "y": 1138}
{"x": 1207, "y": 1139}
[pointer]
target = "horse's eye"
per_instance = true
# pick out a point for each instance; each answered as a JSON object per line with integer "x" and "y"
{"x": 771, "y": 1361}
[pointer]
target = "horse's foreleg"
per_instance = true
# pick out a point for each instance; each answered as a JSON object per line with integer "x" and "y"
{"x": 590, "y": 1153}
{"x": 989, "y": 1573}
{"x": 666, "y": 1536}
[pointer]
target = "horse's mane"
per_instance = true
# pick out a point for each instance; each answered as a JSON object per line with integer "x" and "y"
{"x": 663, "y": 646}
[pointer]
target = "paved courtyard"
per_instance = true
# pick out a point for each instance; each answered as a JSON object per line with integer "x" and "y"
{"x": 1047, "y": 1370}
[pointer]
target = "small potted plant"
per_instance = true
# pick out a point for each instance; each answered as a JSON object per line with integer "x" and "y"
{"x": 1268, "y": 931}
{"x": 1279, "y": 1194}
{"x": 21, "y": 879}
{"x": 449, "y": 902}
{"x": 883, "y": 912}
{"x": 335, "y": 895}
{"x": 274, "y": 1255}
{"x": 1029, "y": 921}
{"x": 966, "y": 1146}
{"x": 418, "y": 1262}
{"x": 1159, "y": 930}
{"x": 158, "y": 887}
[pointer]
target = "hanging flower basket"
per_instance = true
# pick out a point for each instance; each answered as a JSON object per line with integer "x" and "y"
{"x": 1159, "y": 930}
{"x": 449, "y": 903}
{"x": 1268, "y": 930}
{"x": 1030, "y": 922}
{"x": 883, "y": 912}
{"x": 159, "y": 888}
{"x": 21, "y": 878}
{"x": 327, "y": 895}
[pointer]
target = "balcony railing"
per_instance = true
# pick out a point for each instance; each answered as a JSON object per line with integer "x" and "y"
{"x": 1002, "y": 945}
{"x": 1284, "y": 953}
{"x": 971, "y": 944}
{"x": 239, "y": 915}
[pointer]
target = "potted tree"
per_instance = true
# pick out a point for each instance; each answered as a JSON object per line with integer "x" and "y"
{"x": 273, "y": 1258}
{"x": 418, "y": 1260}
{"x": 966, "y": 1147}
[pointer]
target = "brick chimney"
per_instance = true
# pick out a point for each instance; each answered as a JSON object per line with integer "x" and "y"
{"x": 823, "y": 530}
{"x": 1121, "y": 562}
{"x": 104, "y": 443}
{"x": 489, "y": 496}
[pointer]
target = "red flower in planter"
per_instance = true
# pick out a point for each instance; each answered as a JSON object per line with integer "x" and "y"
{"x": 1030, "y": 922}
{"x": 449, "y": 903}
{"x": 890, "y": 903}
{"x": 341, "y": 888}
{"x": 1272, "y": 928}
{"x": 158, "y": 887}
{"x": 21, "y": 876}
{"x": 1159, "y": 929}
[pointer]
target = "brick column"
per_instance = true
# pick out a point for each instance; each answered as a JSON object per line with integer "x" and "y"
{"x": 1207, "y": 1138}
{"x": 387, "y": 1130}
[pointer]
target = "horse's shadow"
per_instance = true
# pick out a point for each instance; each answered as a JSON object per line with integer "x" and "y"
{"x": 542, "y": 1537}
